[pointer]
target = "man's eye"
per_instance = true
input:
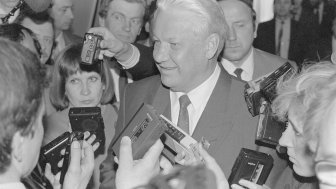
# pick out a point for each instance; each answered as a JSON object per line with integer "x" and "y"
{"x": 136, "y": 21}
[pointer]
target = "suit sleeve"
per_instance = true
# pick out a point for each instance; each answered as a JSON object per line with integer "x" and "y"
{"x": 146, "y": 66}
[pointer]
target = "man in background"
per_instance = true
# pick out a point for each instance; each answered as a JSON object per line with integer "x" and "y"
{"x": 42, "y": 26}
{"x": 124, "y": 19}
{"x": 62, "y": 15}
{"x": 239, "y": 57}
{"x": 282, "y": 36}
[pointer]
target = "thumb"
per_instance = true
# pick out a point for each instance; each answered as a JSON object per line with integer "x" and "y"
{"x": 75, "y": 157}
{"x": 125, "y": 153}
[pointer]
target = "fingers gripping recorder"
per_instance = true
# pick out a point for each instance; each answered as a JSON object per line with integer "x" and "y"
{"x": 147, "y": 126}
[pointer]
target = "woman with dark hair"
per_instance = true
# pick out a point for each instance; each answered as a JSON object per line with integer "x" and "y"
{"x": 77, "y": 85}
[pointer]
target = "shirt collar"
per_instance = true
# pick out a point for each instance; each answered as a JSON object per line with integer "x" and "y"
{"x": 201, "y": 92}
{"x": 247, "y": 66}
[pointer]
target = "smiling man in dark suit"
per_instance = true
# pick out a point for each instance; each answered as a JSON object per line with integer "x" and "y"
{"x": 186, "y": 52}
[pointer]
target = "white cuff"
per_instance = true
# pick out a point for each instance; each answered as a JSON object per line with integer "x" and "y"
{"x": 133, "y": 60}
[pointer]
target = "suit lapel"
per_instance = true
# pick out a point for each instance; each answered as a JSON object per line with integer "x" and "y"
{"x": 161, "y": 101}
{"x": 258, "y": 68}
{"x": 211, "y": 124}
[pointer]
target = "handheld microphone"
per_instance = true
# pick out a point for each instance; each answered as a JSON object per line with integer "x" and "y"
{"x": 38, "y": 5}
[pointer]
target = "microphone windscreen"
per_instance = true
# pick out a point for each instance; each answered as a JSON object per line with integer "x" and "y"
{"x": 38, "y": 5}
{"x": 281, "y": 149}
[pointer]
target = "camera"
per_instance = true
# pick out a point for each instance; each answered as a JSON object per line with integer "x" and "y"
{"x": 90, "y": 49}
{"x": 251, "y": 165}
{"x": 269, "y": 128}
{"x": 264, "y": 88}
{"x": 89, "y": 119}
{"x": 144, "y": 129}
{"x": 51, "y": 153}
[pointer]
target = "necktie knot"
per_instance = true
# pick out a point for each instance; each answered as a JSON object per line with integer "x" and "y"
{"x": 184, "y": 101}
{"x": 238, "y": 73}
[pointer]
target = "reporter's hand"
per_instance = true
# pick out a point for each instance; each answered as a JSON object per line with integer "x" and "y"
{"x": 80, "y": 167}
{"x": 90, "y": 139}
{"x": 248, "y": 184}
{"x": 110, "y": 45}
{"x": 130, "y": 173}
{"x": 53, "y": 179}
{"x": 211, "y": 164}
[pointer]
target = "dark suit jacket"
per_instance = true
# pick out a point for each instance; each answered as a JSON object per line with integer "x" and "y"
{"x": 146, "y": 66}
{"x": 321, "y": 50}
{"x": 225, "y": 121}
{"x": 265, "y": 40}
{"x": 308, "y": 19}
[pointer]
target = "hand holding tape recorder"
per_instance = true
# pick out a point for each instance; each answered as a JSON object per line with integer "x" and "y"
{"x": 89, "y": 119}
{"x": 52, "y": 152}
{"x": 146, "y": 127}
{"x": 252, "y": 166}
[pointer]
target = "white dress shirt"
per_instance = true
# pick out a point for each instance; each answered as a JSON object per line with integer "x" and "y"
{"x": 60, "y": 45}
{"x": 247, "y": 67}
{"x": 285, "y": 39}
{"x": 12, "y": 185}
{"x": 115, "y": 77}
{"x": 199, "y": 98}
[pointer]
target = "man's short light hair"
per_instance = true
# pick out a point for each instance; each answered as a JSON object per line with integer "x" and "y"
{"x": 210, "y": 14}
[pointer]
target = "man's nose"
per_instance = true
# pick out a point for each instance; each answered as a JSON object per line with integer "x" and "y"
{"x": 127, "y": 25}
{"x": 232, "y": 35}
{"x": 160, "y": 53}
{"x": 70, "y": 14}
{"x": 285, "y": 139}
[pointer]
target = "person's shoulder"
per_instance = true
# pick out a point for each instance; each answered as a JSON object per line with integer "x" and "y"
{"x": 110, "y": 109}
{"x": 266, "y": 23}
{"x": 263, "y": 56}
{"x": 146, "y": 82}
{"x": 71, "y": 37}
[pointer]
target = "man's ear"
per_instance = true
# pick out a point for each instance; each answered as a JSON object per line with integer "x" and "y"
{"x": 101, "y": 21}
{"x": 255, "y": 29}
{"x": 17, "y": 147}
{"x": 212, "y": 45}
